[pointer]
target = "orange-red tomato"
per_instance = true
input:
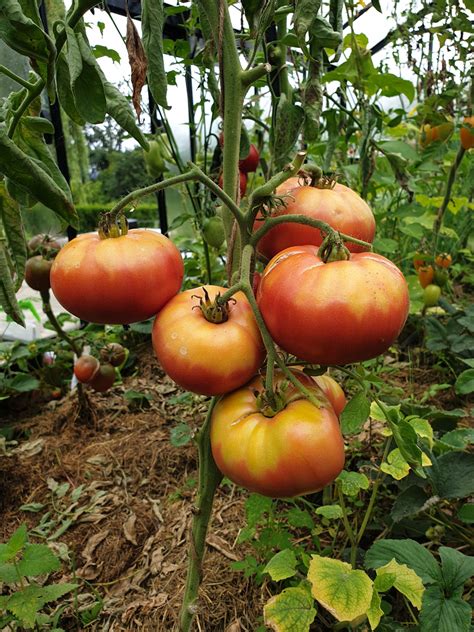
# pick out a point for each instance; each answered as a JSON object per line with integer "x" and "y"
{"x": 117, "y": 280}
{"x": 467, "y": 133}
{"x": 340, "y": 207}
{"x": 297, "y": 450}
{"x": 333, "y": 392}
{"x": 431, "y": 133}
{"x": 205, "y": 357}
{"x": 443, "y": 260}
{"x": 86, "y": 367}
{"x": 333, "y": 313}
{"x": 425, "y": 275}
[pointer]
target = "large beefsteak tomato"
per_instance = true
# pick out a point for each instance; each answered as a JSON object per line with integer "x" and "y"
{"x": 117, "y": 280}
{"x": 333, "y": 313}
{"x": 297, "y": 450}
{"x": 206, "y": 357}
{"x": 340, "y": 207}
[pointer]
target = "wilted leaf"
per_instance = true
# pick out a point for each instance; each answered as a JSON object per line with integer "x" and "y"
{"x": 138, "y": 63}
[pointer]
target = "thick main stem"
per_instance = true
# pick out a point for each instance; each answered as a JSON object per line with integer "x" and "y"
{"x": 209, "y": 480}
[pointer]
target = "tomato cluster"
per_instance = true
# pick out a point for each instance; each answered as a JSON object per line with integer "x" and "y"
{"x": 432, "y": 274}
{"x": 100, "y": 375}
{"x": 431, "y": 133}
{"x": 42, "y": 249}
{"x": 326, "y": 306}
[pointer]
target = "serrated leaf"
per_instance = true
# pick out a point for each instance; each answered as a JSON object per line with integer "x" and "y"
{"x": 331, "y": 512}
{"x": 25, "y": 603}
{"x": 255, "y": 507}
{"x": 352, "y": 482}
{"x": 8, "y": 574}
{"x": 406, "y": 552}
{"x": 282, "y": 565}
{"x": 52, "y": 592}
{"x": 405, "y": 581}
{"x": 345, "y": 592}
{"x": 14, "y": 545}
{"x": 290, "y": 611}
{"x": 37, "y": 559}
{"x": 355, "y": 414}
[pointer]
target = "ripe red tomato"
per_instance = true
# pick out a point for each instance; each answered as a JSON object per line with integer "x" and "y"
{"x": 242, "y": 182}
{"x": 250, "y": 163}
{"x": 206, "y": 357}
{"x": 420, "y": 259}
{"x": 340, "y": 207}
{"x": 117, "y": 280}
{"x": 425, "y": 275}
{"x": 103, "y": 379}
{"x": 333, "y": 313}
{"x": 297, "y": 450}
{"x": 37, "y": 273}
{"x": 467, "y": 133}
{"x": 86, "y": 367}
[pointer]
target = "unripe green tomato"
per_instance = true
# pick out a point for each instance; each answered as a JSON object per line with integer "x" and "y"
{"x": 275, "y": 55}
{"x": 213, "y": 231}
{"x": 155, "y": 164}
{"x": 431, "y": 295}
{"x": 440, "y": 277}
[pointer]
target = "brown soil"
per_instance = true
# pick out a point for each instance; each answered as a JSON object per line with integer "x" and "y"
{"x": 128, "y": 536}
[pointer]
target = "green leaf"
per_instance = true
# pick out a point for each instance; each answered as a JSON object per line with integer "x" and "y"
{"x": 19, "y": 167}
{"x": 23, "y": 383}
{"x": 102, "y": 51}
{"x": 355, "y": 414}
{"x": 323, "y": 35}
{"x": 87, "y": 87}
{"x": 255, "y": 507}
{"x": 8, "y": 301}
{"x": 282, "y": 565}
{"x": 181, "y": 435}
{"x": 22, "y": 33}
{"x": 345, "y": 592}
{"x": 441, "y": 614}
{"x": 152, "y": 37}
{"x": 456, "y": 568}
{"x": 288, "y": 121}
{"x": 352, "y": 482}
{"x": 391, "y": 85}
{"x": 14, "y": 545}
{"x": 290, "y": 611}
{"x": 8, "y": 574}
{"x": 15, "y": 235}
{"x": 332, "y": 512}
{"x": 53, "y": 592}
{"x": 304, "y": 16}
{"x": 396, "y": 465}
{"x": 408, "y": 502}
{"x": 406, "y": 552}
{"x": 405, "y": 581}
{"x": 25, "y": 604}
{"x": 452, "y": 475}
{"x": 37, "y": 559}
{"x": 465, "y": 382}
{"x": 406, "y": 439}
{"x": 466, "y": 513}
{"x": 120, "y": 110}
{"x": 458, "y": 439}
{"x": 65, "y": 94}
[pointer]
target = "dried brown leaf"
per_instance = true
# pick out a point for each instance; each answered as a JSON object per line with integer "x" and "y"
{"x": 129, "y": 529}
{"x": 138, "y": 63}
{"x": 92, "y": 543}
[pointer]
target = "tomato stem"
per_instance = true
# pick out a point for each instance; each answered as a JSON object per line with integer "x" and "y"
{"x": 209, "y": 480}
{"x": 447, "y": 196}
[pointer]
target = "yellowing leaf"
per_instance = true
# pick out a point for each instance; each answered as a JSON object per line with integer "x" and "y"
{"x": 406, "y": 581}
{"x": 346, "y": 593}
{"x": 375, "y": 612}
{"x": 290, "y": 611}
{"x": 282, "y": 565}
{"x": 423, "y": 429}
{"x": 396, "y": 465}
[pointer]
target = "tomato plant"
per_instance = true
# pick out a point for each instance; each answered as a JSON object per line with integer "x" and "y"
{"x": 120, "y": 279}
{"x": 360, "y": 305}
{"x": 192, "y": 331}
{"x": 333, "y": 203}
{"x": 293, "y": 450}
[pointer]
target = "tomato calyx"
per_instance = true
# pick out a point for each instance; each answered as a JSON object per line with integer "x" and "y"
{"x": 214, "y": 311}
{"x": 333, "y": 249}
{"x": 270, "y": 404}
{"x": 112, "y": 226}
